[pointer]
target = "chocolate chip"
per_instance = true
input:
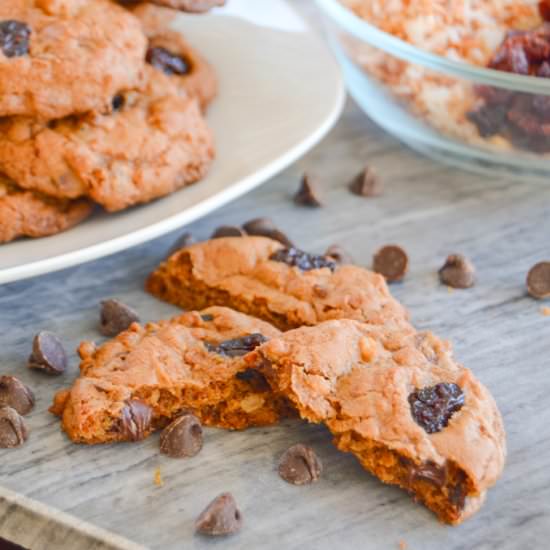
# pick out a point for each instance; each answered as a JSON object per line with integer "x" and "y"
{"x": 538, "y": 280}
{"x": 207, "y": 317}
{"x": 167, "y": 62}
{"x": 182, "y": 437}
{"x": 433, "y": 406}
{"x": 306, "y": 194}
{"x": 14, "y": 394}
{"x": 300, "y": 465}
{"x": 366, "y": 184}
{"x": 14, "y": 38}
{"x": 264, "y": 227}
{"x": 136, "y": 420}
{"x": 392, "y": 262}
{"x": 457, "y": 272}
{"x": 117, "y": 102}
{"x": 228, "y": 231}
{"x": 13, "y": 430}
{"x": 48, "y": 353}
{"x": 457, "y": 495}
{"x": 255, "y": 379}
{"x": 220, "y": 517}
{"x": 302, "y": 260}
{"x": 428, "y": 471}
{"x": 339, "y": 255}
{"x": 185, "y": 240}
{"x": 115, "y": 317}
{"x": 237, "y": 346}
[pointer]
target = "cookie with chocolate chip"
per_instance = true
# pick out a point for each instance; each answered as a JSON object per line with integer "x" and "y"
{"x": 171, "y": 55}
{"x": 60, "y": 57}
{"x": 283, "y": 285}
{"x": 399, "y": 402}
{"x": 149, "y": 375}
{"x": 154, "y": 142}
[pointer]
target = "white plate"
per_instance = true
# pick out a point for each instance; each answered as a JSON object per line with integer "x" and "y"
{"x": 281, "y": 91}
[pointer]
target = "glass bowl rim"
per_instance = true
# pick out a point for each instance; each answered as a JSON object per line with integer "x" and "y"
{"x": 370, "y": 34}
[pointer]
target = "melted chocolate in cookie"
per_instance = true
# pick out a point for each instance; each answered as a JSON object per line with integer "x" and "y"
{"x": 167, "y": 62}
{"x": 302, "y": 260}
{"x": 14, "y": 38}
{"x": 238, "y": 346}
{"x": 433, "y": 406}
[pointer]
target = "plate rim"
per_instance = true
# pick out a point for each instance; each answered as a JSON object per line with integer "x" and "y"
{"x": 164, "y": 226}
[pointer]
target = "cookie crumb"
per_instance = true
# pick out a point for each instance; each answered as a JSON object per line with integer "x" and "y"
{"x": 402, "y": 545}
{"x": 450, "y": 289}
{"x": 159, "y": 482}
{"x": 307, "y": 194}
{"x": 545, "y": 311}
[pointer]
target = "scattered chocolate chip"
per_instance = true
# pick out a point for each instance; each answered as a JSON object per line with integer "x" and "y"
{"x": 302, "y": 260}
{"x": 220, "y": 517}
{"x": 14, "y": 38}
{"x": 300, "y": 465}
{"x": 166, "y": 61}
{"x": 14, "y": 394}
{"x": 118, "y": 102}
{"x": 433, "y": 406}
{"x": 207, "y": 317}
{"x": 264, "y": 227}
{"x": 538, "y": 280}
{"x": 183, "y": 241}
{"x": 48, "y": 353}
{"x": 366, "y": 184}
{"x": 13, "y": 430}
{"x": 307, "y": 194}
{"x": 182, "y": 437}
{"x": 458, "y": 272}
{"x": 228, "y": 231}
{"x": 238, "y": 346}
{"x": 115, "y": 317}
{"x": 339, "y": 255}
{"x": 136, "y": 420}
{"x": 392, "y": 262}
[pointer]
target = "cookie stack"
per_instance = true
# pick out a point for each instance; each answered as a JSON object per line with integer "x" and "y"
{"x": 100, "y": 105}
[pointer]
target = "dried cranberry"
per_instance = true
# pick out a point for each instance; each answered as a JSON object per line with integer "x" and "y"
{"x": 433, "y": 406}
{"x": 238, "y": 346}
{"x": 118, "y": 102}
{"x": 544, "y": 9}
{"x": 14, "y": 38}
{"x": 166, "y": 61}
{"x": 489, "y": 119}
{"x": 544, "y": 70}
{"x": 302, "y": 260}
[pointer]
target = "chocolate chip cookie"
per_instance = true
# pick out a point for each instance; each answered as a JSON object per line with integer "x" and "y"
{"x": 154, "y": 142}
{"x": 282, "y": 285}
{"x": 191, "y": 6}
{"x": 399, "y": 402}
{"x": 28, "y": 214}
{"x": 60, "y": 57}
{"x": 171, "y": 55}
{"x": 147, "y": 375}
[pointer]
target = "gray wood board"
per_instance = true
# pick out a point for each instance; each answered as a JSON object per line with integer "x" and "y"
{"x": 497, "y": 330}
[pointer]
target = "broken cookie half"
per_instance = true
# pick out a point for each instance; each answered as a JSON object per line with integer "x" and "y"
{"x": 399, "y": 402}
{"x": 147, "y": 375}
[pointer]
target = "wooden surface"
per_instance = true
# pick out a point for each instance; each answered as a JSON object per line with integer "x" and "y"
{"x": 498, "y": 331}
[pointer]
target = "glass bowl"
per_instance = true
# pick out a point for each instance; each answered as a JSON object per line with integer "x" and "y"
{"x": 459, "y": 113}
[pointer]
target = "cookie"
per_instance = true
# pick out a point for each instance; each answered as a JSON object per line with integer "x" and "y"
{"x": 191, "y": 6}
{"x": 147, "y": 375}
{"x": 60, "y": 57}
{"x": 399, "y": 402}
{"x": 171, "y": 55}
{"x": 28, "y": 214}
{"x": 155, "y": 142}
{"x": 284, "y": 286}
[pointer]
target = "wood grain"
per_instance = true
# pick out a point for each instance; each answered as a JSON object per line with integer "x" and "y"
{"x": 498, "y": 331}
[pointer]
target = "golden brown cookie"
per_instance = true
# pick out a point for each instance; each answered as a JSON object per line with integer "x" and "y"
{"x": 27, "y": 214}
{"x": 170, "y": 54}
{"x": 191, "y": 6}
{"x": 285, "y": 286}
{"x": 399, "y": 402}
{"x": 59, "y": 57}
{"x": 153, "y": 143}
{"x": 147, "y": 375}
